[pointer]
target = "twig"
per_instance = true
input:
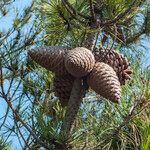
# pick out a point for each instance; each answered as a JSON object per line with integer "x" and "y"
{"x": 143, "y": 108}
{"x": 5, "y": 117}
{"x": 104, "y": 38}
{"x": 64, "y": 18}
{"x": 118, "y": 17}
{"x": 83, "y": 38}
{"x": 10, "y": 85}
{"x": 1, "y": 80}
{"x": 131, "y": 113}
{"x": 72, "y": 13}
{"x": 8, "y": 100}
{"x": 10, "y": 133}
{"x": 13, "y": 94}
{"x": 27, "y": 140}
{"x": 96, "y": 39}
{"x": 26, "y": 144}
{"x": 19, "y": 139}
{"x": 92, "y": 9}
{"x": 134, "y": 37}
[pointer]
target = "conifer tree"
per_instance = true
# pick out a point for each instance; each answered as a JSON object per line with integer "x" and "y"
{"x": 58, "y": 109}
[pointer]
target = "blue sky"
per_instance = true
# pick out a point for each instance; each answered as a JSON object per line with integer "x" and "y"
{"x": 146, "y": 60}
{"x": 6, "y": 23}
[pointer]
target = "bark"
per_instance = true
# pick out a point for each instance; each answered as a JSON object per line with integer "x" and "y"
{"x": 90, "y": 41}
{"x": 91, "y": 38}
{"x": 72, "y": 108}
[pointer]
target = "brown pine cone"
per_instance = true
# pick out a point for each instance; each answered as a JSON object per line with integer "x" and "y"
{"x": 51, "y": 58}
{"x": 79, "y": 61}
{"x": 63, "y": 86}
{"x": 117, "y": 61}
{"x": 104, "y": 81}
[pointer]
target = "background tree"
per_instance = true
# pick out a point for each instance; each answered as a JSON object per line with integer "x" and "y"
{"x": 36, "y": 114}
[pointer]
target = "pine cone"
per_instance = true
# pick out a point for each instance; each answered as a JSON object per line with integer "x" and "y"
{"x": 104, "y": 81}
{"x": 79, "y": 61}
{"x": 51, "y": 58}
{"x": 119, "y": 63}
{"x": 63, "y": 86}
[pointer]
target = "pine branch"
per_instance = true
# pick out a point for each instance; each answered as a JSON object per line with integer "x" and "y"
{"x": 73, "y": 13}
{"x": 92, "y": 9}
{"x": 8, "y": 100}
{"x": 23, "y": 138}
{"x": 90, "y": 41}
{"x": 72, "y": 108}
{"x": 76, "y": 95}
{"x": 120, "y": 38}
{"x": 130, "y": 115}
{"x": 67, "y": 21}
{"x": 119, "y": 16}
{"x": 133, "y": 38}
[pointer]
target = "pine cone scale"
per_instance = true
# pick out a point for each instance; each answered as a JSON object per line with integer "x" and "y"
{"x": 79, "y": 62}
{"x": 63, "y": 86}
{"x": 51, "y": 58}
{"x": 116, "y": 61}
{"x": 104, "y": 81}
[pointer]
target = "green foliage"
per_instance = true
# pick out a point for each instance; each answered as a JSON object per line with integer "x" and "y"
{"x": 58, "y": 24}
{"x": 101, "y": 125}
{"x": 147, "y": 22}
{"x": 62, "y": 28}
{"x": 36, "y": 114}
{"x": 14, "y": 42}
{"x": 4, "y": 145}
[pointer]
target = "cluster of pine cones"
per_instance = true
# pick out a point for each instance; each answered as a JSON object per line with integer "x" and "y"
{"x": 105, "y": 70}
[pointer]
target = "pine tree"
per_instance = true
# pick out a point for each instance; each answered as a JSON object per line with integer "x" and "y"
{"x": 111, "y": 30}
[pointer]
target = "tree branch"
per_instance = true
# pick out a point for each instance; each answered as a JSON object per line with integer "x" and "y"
{"x": 119, "y": 16}
{"x": 72, "y": 108}
{"x": 133, "y": 38}
{"x": 131, "y": 113}
{"x": 8, "y": 100}
{"x": 90, "y": 41}
{"x": 92, "y": 9}
{"x": 5, "y": 117}
{"x": 72, "y": 12}
{"x": 26, "y": 144}
{"x": 76, "y": 94}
